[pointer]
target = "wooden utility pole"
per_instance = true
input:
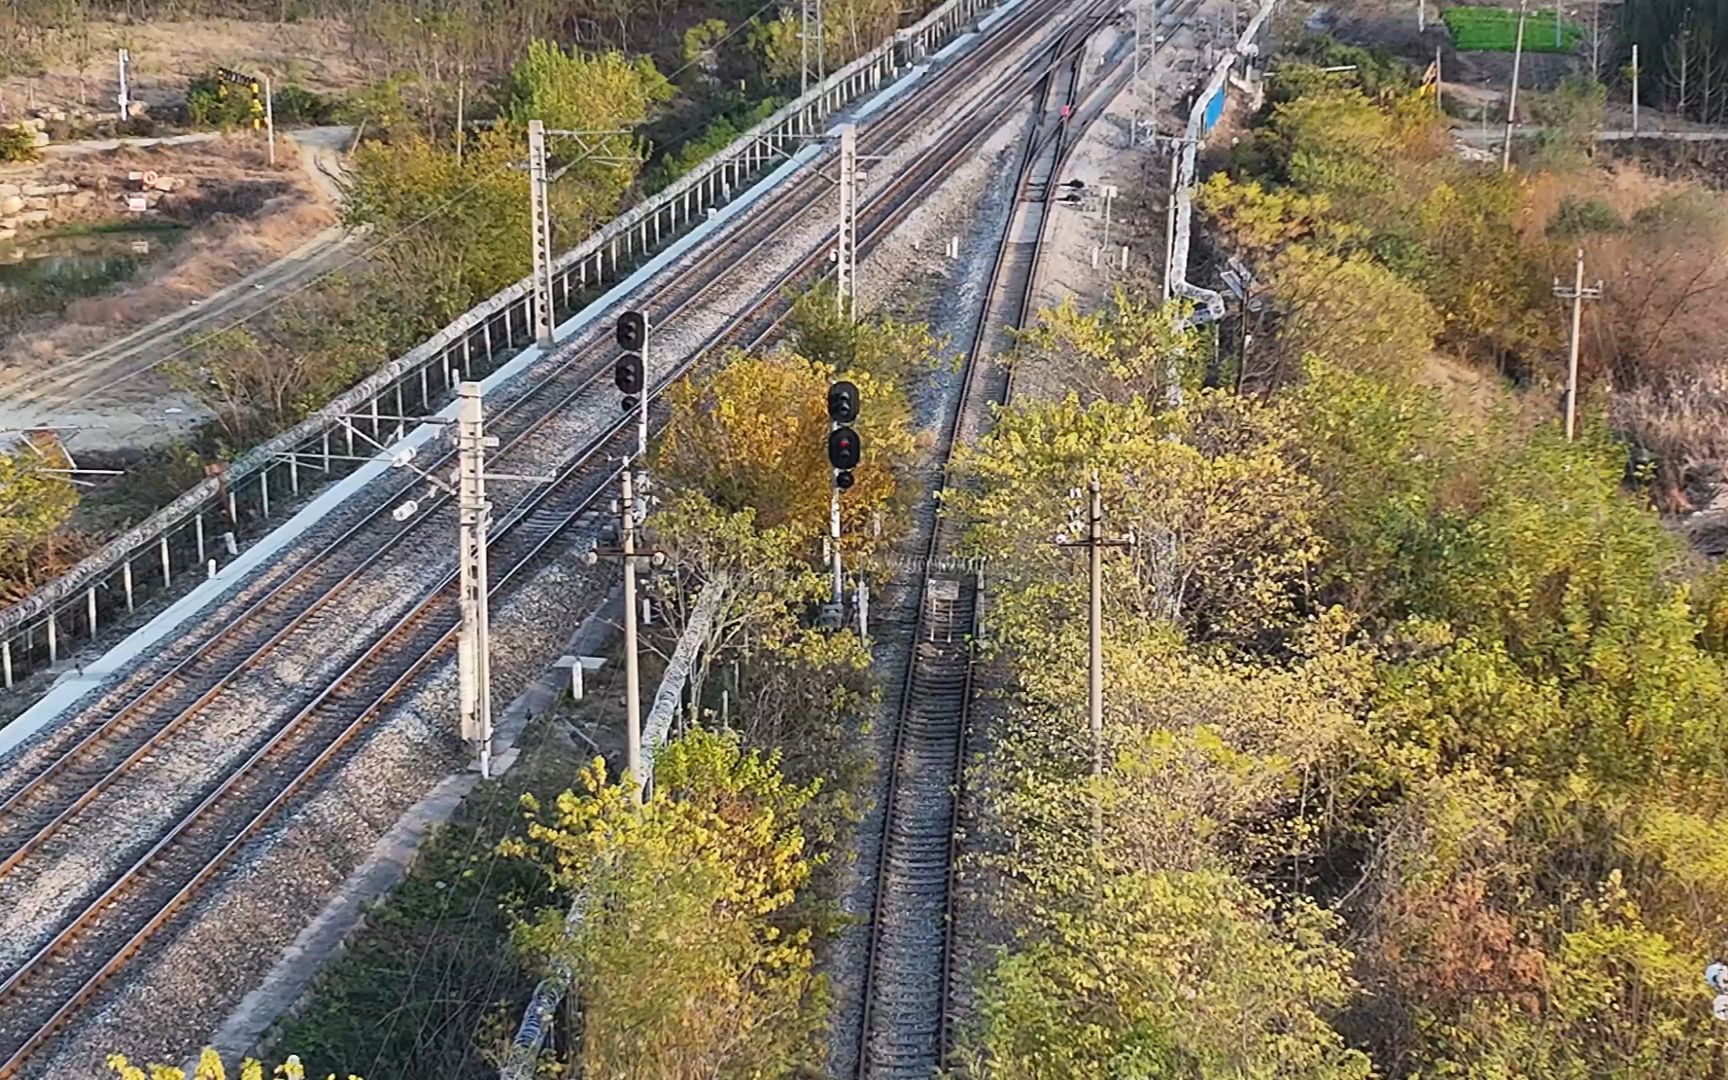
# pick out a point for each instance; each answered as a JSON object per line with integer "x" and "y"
{"x": 1577, "y": 294}
{"x": 1512, "y": 102}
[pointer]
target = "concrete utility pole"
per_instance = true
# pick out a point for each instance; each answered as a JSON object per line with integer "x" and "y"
{"x": 1577, "y": 294}
{"x": 540, "y": 221}
{"x": 1512, "y": 104}
{"x": 473, "y": 662}
{"x": 1439, "y": 85}
{"x": 1170, "y": 221}
{"x": 1095, "y": 543}
{"x": 270, "y": 119}
{"x": 1634, "y": 90}
{"x": 1109, "y": 192}
{"x": 125, "y": 90}
{"x": 1421, "y": 16}
{"x": 632, "y": 672}
{"x": 1095, "y": 642}
{"x": 846, "y": 246}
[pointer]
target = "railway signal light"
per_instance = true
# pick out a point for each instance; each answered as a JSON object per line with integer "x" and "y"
{"x": 632, "y": 331}
{"x": 843, "y": 479}
{"x": 629, "y": 402}
{"x": 844, "y": 448}
{"x": 843, "y": 402}
{"x": 628, "y": 374}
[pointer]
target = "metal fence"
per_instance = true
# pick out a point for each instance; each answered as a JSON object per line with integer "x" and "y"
{"x": 1208, "y": 107}
{"x": 203, "y": 529}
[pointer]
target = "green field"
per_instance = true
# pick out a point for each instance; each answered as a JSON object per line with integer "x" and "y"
{"x": 1496, "y": 30}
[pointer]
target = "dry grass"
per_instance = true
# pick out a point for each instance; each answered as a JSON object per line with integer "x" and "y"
{"x": 314, "y": 53}
{"x": 242, "y": 216}
{"x": 1656, "y": 338}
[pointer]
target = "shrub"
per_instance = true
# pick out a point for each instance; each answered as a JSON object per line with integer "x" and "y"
{"x": 294, "y": 104}
{"x": 17, "y": 143}
{"x": 212, "y": 103}
{"x": 1574, "y": 217}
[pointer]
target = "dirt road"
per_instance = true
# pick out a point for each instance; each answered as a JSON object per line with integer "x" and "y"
{"x": 113, "y": 394}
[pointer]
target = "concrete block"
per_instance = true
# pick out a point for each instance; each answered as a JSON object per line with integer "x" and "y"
{"x": 10, "y": 189}
{"x": 38, "y": 202}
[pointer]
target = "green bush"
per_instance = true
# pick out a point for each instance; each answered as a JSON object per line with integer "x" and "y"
{"x": 720, "y": 133}
{"x": 294, "y": 104}
{"x": 17, "y": 144}
{"x": 1574, "y": 217}
{"x": 213, "y": 103}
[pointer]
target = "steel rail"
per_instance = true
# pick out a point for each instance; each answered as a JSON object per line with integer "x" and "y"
{"x": 618, "y": 427}
{"x": 928, "y": 1053}
{"x": 298, "y": 586}
{"x": 1050, "y": 150}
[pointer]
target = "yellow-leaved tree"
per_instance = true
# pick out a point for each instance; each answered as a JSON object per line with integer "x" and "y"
{"x": 210, "y": 1068}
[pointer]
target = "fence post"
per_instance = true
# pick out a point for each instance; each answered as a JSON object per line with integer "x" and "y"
{"x": 167, "y": 578}
{"x": 126, "y": 578}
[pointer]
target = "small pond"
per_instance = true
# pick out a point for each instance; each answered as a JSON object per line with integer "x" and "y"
{"x": 46, "y": 271}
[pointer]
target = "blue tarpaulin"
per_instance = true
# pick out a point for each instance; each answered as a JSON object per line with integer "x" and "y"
{"x": 1214, "y": 110}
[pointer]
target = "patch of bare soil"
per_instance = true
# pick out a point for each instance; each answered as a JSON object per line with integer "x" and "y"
{"x": 315, "y": 53}
{"x": 241, "y": 215}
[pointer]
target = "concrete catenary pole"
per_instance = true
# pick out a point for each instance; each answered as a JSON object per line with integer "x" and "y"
{"x": 1512, "y": 103}
{"x": 473, "y": 662}
{"x": 846, "y": 246}
{"x": 632, "y": 668}
{"x": 540, "y": 222}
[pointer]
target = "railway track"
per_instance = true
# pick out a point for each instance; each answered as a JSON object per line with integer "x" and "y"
{"x": 905, "y": 1031}
{"x": 38, "y": 997}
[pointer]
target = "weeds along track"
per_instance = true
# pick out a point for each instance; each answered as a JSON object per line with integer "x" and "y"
{"x": 295, "y": 654}
{"x": 908, "y": 989}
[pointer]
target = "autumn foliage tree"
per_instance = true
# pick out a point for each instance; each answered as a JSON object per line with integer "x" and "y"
{"x": 695, "y": 956}
{"x": 210, "y": 1067}
{"x": 36, "y": 502}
